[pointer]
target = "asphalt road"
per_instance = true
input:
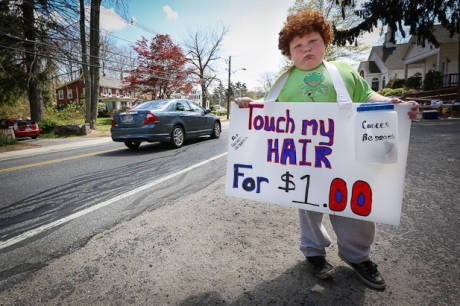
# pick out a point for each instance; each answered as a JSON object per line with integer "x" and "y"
{"x": 45, "y": 188}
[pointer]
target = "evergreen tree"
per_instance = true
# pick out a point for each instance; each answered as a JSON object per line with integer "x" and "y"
{"x": 12, "y": 74}
{"x": 419, "y": 16}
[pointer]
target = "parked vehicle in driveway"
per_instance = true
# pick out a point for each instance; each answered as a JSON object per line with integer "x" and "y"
{"x": 21, "y": 127}
{"x": 169, "y": 120}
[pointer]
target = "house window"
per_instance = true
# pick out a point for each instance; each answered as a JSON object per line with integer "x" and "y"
{"x": 118, "y": 92}
{"x": 69, "y": 93}
{"x": 375, "y": 84}
{"x": 61, "y": 94}
{"x": 383, "y": 82}
{"x": 105, "y": 91}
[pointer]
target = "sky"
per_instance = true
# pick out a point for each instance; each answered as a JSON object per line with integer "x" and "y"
{"x": 251, "y": 40}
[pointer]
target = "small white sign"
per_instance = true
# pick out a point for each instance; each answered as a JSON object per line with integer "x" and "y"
{"x": 304, "y": 155}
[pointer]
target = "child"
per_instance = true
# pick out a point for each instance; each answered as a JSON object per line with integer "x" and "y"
{"x": 304, "y": 39}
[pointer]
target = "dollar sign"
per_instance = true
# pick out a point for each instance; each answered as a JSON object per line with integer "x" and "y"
{"x": 287, "y": 179}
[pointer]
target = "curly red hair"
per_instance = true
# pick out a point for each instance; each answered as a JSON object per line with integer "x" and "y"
{"x": 301, "y": 23}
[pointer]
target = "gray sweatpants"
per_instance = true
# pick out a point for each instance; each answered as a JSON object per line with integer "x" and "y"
{"x": 354, "y": 237}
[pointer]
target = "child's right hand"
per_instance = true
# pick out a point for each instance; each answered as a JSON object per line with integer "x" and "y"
{"x": 243, "y": 102}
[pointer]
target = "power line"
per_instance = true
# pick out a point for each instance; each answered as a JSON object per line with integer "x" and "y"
{"x": 97, "y": 66}
{"x": 79, "y": 61}
{"x": 69, "y": 51}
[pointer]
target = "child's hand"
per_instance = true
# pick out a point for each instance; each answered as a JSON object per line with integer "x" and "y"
{"x": 243, "y": 102}
{"x": 414, "y": 109}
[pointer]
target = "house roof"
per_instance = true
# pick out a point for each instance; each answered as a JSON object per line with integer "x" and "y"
{"x": 392, "y": 56}
{"x": 70, "y": 82}
{"x": 104, "y": 81}
{"x": 370, "y": 67}
{"x": 110, "y": 82}
{"x": 442, "y": 35}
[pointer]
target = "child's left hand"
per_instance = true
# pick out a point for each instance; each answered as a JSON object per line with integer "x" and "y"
{"x": 414, "y": 109}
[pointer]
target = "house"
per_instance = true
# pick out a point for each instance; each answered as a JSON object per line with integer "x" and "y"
{"x": 400, "y": 61}
{"x": 110, "y": 92}
{"x": 194, "y": 96}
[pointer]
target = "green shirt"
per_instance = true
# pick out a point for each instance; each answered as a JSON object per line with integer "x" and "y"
{"x": 316, "y": 85}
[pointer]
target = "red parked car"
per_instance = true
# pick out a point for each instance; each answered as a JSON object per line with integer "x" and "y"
{"x": 22, "y": 128}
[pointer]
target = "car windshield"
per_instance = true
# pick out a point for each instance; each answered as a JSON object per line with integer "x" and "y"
{"x": 156, "y": 104}
{"x": 24, "y": 122}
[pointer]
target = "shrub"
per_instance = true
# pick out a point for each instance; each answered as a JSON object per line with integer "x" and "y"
{"x": 396, "y": 92}
{"x": 102, "y": 110}
{"x": 47, "y": 124}
{"x": 433, "y": 80}
{"x": 396, "y": 83}
{"x": 415, "y": 81}
{"x": 72, "y": 112}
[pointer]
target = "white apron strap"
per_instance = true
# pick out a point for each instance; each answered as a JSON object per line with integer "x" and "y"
{"x": 342, "y": 93}
{"x": 277, "y": 87}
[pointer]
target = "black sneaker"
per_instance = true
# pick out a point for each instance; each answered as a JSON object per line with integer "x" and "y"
{"x": 368, "y": 273}
{"x": 321, "y": 268}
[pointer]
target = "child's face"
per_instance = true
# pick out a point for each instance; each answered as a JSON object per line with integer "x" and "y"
{"x": 307, "y": 51}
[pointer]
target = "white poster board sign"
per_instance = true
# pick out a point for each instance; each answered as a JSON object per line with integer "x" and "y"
{"x": 303, "y": 155}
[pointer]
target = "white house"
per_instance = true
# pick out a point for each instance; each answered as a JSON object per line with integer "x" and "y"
{"x": 194, "y": 96}
{"x": 401, "y": 61}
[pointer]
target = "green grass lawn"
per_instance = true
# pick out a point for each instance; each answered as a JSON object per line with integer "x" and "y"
{"x": 103, "y": 124}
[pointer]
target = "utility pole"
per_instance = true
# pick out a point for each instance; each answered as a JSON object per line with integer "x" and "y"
{"x": 228, "y": 88}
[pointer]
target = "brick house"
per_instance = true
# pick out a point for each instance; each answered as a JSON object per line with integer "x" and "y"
{"x": 110, "y": 92}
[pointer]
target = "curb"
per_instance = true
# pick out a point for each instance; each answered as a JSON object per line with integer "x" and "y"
{"x": 53, "y": 148}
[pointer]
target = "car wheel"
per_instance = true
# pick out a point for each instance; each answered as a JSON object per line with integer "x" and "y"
{"x": 216, "y": 130}
{"x": 34, "y": 137}
{"x": 177, "y": 137}
{"x": 133, "y": 145}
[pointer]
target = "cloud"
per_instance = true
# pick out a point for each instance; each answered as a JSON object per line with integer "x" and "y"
{"x": 110, "y": 20}
{"x": 170, "y": 12}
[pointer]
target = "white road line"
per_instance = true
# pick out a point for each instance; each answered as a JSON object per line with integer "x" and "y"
{"x": 36, "y": 231}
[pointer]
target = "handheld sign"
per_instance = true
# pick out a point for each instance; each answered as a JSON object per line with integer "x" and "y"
{"x": 320, "y": 157}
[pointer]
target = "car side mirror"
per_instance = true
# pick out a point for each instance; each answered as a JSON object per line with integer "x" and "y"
{"x": 207, "y": 111}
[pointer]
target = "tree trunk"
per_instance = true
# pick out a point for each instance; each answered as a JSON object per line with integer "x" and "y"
{"x": 458, "y": 65}
{"x": 204, "y": 94}
{"x": 33, "y": 62}
{"x": 94, "y": 59}
{"x": 84, "y": 59}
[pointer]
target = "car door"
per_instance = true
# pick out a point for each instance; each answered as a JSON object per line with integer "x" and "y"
{"x": 202, "y": 120}
{"x": 184, "y": 112}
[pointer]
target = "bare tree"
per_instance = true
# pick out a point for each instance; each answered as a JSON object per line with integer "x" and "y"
{"x": 203, "y": 48}
{"x": 122, "y": 60}
{"x": 267, "y": 79}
